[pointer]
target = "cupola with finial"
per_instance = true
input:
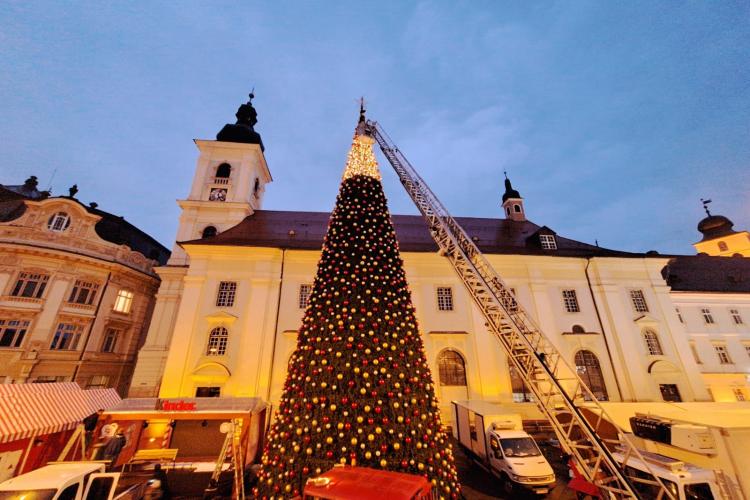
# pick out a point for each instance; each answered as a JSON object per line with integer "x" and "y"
{"x": 512, "y": 202}
{"x": 719, "y": 239}
{"x": 242, "y": 130}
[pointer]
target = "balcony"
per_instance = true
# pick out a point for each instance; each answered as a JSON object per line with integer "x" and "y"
{"x": 80, "y": 309}
{"x": 221, "y": 180}
{"x": 26, "y": 303}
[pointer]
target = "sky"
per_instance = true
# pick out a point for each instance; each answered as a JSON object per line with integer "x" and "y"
{"x": 612, "y": 119}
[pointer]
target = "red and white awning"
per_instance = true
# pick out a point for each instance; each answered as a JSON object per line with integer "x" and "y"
{"x": 37, "y": 409}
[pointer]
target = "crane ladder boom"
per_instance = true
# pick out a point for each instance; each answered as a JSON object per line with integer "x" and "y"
{"x": 560, "y": 393}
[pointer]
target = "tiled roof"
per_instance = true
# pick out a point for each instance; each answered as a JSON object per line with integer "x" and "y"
{"x": 701, "y": 273}
{"x": 305, "y": 230}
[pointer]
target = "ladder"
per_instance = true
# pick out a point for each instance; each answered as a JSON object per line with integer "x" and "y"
{"x": 560, "y": 393}
{"x": 231, "y": 447}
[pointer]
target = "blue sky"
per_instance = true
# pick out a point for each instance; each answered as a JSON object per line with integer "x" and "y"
{"x": 612, "y": 119}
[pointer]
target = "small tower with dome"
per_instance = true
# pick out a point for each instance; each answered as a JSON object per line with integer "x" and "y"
{"x": 719, "y": 237}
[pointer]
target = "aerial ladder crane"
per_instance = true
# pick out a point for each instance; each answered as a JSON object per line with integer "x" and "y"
{"x": 560, "y": 393}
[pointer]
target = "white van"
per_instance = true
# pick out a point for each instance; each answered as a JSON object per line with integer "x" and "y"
{"x": 494, "y": 435}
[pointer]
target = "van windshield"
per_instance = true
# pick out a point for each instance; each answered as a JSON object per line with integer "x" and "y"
{"x": 519, "y": 447}
{"x": 27, "y": 495}
{"x": 698, "y": 491}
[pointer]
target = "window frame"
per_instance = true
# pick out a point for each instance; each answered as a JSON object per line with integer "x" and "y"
{"x": 444, "y": 298}
{"x": 736, "y": 316}
{"x": 68, "y": 338}
{"x": 652, "y": 341}
{"x": 218, "y": 340}
{"x": 226, "y": 293}
{"x": 59, "y": 222}
{"x": 570, "y": 300}
{"x": 722, "y": 353}
{"x": 304, "y": 294}
{"x": 723, "y": 247}
{"x": 676, "y": 391}
{"x": 638, "y": 300}
{"x": 678, "y": 311}
{"x": 708, "y": 317}
{"x": 548, "y": 241}
{"x": 451, "y": 369}
{"x": 19, "y": 331}
{"x": 26, "y": 278}
{"x": 109, "y": 341}
{"x": 694, "y": 350}
{"x": 595, "y": 382}
{"x": 739, "y": 394}
{"x": 79, "y": 285}
{"x": 123, "y": 301}
{"x": 103, "y": 382}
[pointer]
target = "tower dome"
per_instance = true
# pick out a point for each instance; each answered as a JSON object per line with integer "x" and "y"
{"x": 242, "y": 131}
{"x": 715, "y": 226}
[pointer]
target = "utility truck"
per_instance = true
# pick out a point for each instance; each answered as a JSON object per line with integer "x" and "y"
{"x": 72, "y": 481}
{"x": 493, "y": 435}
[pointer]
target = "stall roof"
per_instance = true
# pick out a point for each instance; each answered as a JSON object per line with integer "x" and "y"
{"x": 174, "y": 407}
{"x": 38, "y": 409}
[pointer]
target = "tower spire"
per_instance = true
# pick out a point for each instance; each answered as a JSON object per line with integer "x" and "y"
{"x": 512, "y": 202}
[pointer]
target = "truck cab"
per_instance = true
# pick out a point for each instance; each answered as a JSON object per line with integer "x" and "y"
{"x": 68, "y": 481}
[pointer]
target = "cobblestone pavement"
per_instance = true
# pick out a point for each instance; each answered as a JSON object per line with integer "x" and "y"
{"x": 478, "y": 484}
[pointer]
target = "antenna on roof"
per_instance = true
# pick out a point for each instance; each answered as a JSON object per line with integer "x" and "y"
{"x": 705, "y": 206}
{"x": 52, "y": 177}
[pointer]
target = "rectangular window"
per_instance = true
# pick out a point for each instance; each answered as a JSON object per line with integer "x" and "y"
{"x": 207, "y": 392}
{"x": 747, "y": 349}
{"x": 225, "y": 297}
{"x": 694, "y": 349}
{"x": 30, "y": 285}
{"x": 723, "y": 354}
{"x": 304, "y": 295}
{"x": 12, "y": 332}
{"x": 739, "y": 394}
{"x": 639, "y": 301}
{"x": 548, "y": 241}
{"x": 570, "y": 300}
{"x": 124, "y": 301}
{"x": 110, "y": 340}
{"x": 98, "y": 382}
{"x": 707, "y": 316}
{"x": 670, "y": 392}
{"x": 83, "y": 292}
{"x": 736, "y": 316}
{"x": 679, "y": 315}
{"x": 48, "y": 379}
{"x": 445, "y": 298}
{"x": 66, "y": 337}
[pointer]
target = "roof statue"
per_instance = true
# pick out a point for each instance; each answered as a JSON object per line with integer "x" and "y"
{"x": 242, "y": 130}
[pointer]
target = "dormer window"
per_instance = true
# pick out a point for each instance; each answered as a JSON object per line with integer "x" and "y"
{"x": 223, "y": 172}
{"x": 58, "y": 222}
{"x": 548, "y": 241}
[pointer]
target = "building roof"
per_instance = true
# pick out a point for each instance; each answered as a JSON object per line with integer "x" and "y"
{"x": 702, "y": 273}
{"x": 306, "y": 230}
{"x": 112, "y": 228}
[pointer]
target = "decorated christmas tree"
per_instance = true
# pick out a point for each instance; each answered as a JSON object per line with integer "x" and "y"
{"x": 359, "y": 389}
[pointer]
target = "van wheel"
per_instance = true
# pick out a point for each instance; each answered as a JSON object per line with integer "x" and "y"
{"x": 507, "y": 484}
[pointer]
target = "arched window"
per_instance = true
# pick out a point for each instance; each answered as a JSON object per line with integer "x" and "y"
{"x": 256, "y": 186}
{"x": 587, "y": 366}
{"x": 517, "y": 208}
{"x": 59, "y": 222}
{"x": 507, "y": 210}
{"x": 652, "y": 342}
{"x": 578, "y": 329}
{"x": 451, "y": 368}
{"x": 209, "y": 231}
{"x": 723, "y": 246}
{"x": 223, "y": 171}
{"x": 217, "y": 342}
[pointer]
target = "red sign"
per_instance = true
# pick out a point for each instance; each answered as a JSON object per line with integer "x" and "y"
{"x": 177, "y": 406}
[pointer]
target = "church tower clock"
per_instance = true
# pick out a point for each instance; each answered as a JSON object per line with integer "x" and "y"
{"x": 229, "y": 182}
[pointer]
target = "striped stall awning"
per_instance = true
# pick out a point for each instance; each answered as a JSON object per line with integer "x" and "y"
{"x": 37, "y": 409}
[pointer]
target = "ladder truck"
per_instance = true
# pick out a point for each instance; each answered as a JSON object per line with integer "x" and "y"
{"x": 571, "y": 408}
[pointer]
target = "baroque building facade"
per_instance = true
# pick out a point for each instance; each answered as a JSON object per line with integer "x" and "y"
{"x": 233, "y": 294}
{"x": 77, "y": 288}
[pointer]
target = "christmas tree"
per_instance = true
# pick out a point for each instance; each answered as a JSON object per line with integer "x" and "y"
{"x": 359, "y": 389}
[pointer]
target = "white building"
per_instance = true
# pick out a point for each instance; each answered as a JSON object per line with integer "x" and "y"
{"x": 233, "y": 294}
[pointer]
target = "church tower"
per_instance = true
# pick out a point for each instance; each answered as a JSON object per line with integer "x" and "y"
{"x": 228, "y": 185}
{"x": 229, "y": 182}
{"x": 719, "y": 239}
{"x": 513, "y": 203}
